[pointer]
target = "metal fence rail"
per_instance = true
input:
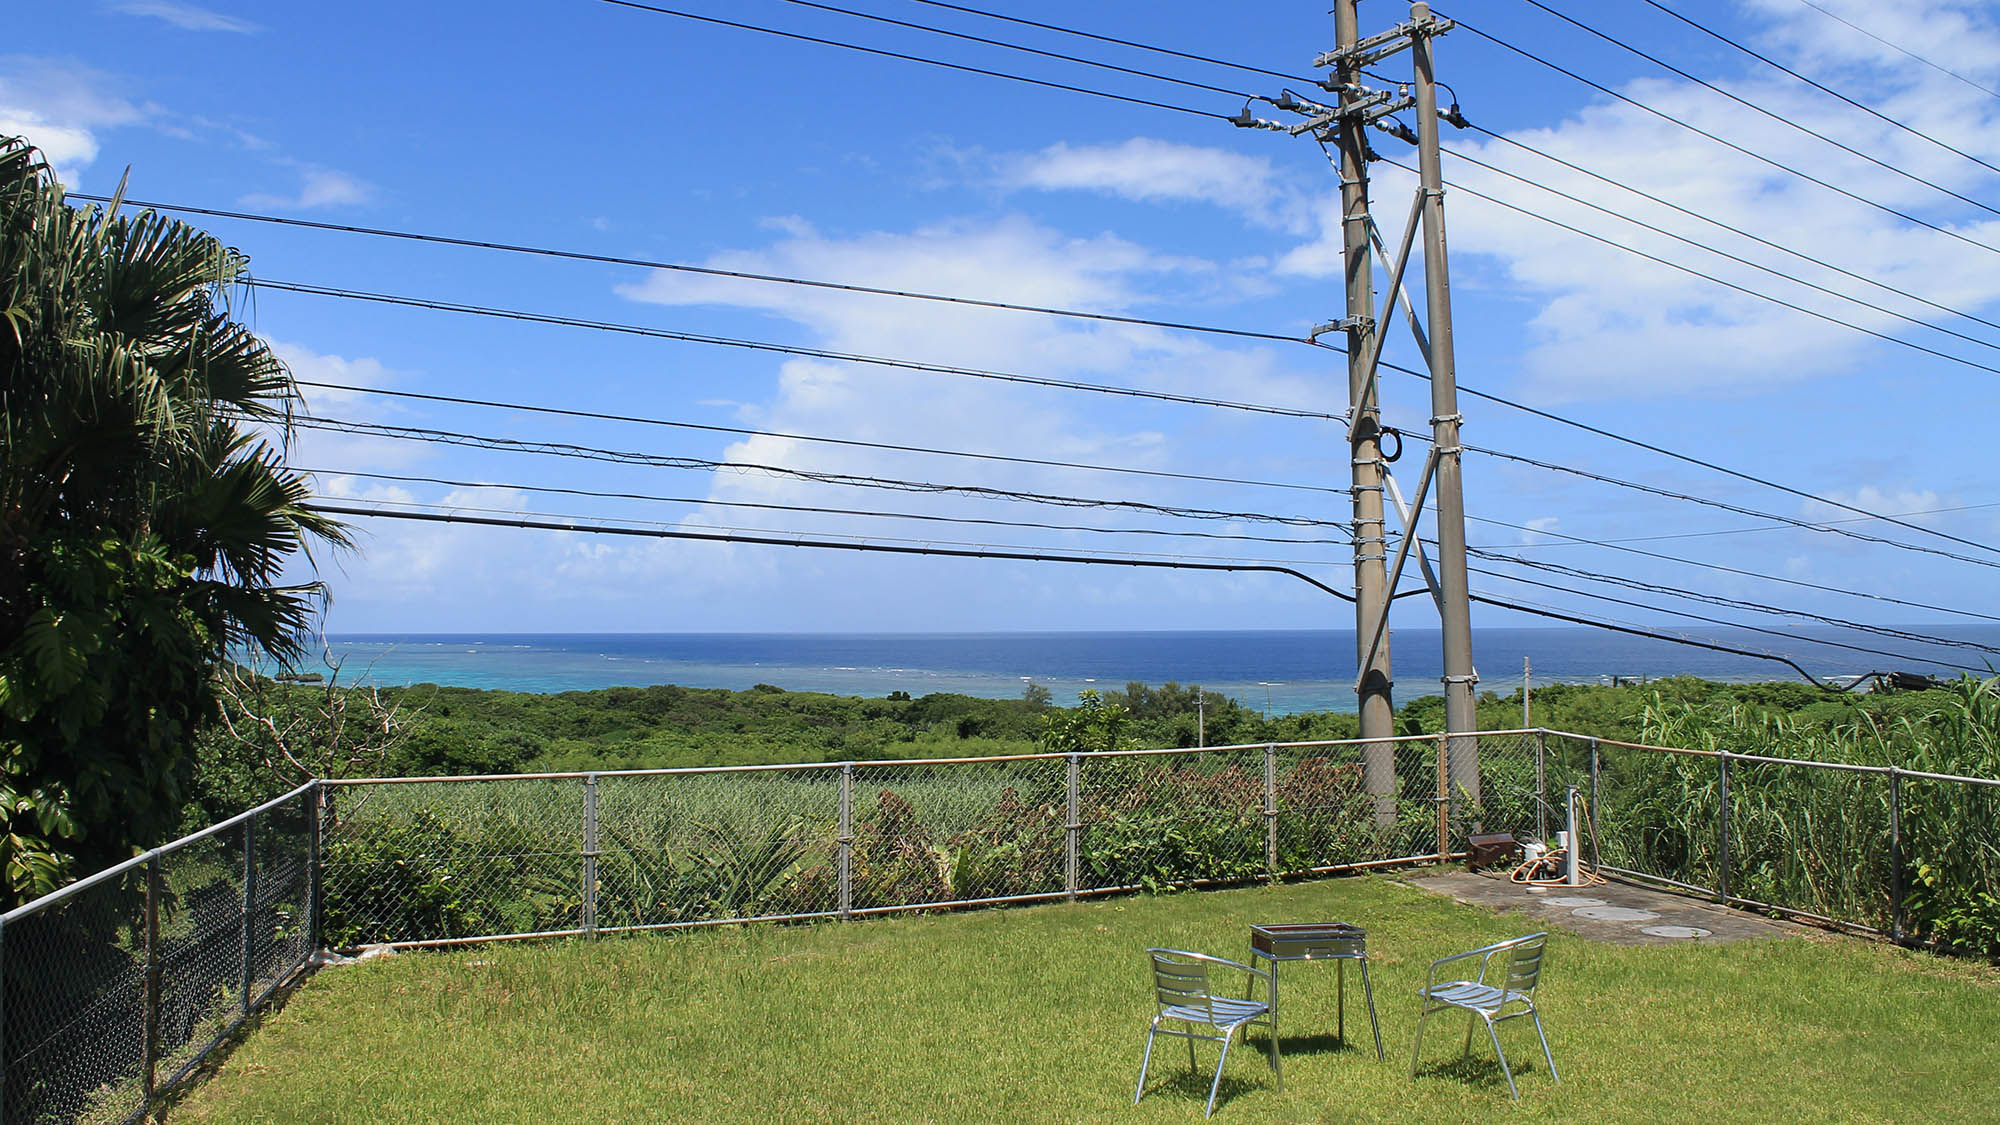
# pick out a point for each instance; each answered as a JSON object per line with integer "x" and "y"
{"x": 440, "y": 860}
{"x": 118, "y": 986}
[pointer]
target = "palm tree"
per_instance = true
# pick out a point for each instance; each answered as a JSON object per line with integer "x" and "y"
{"x": 148, "y": 517}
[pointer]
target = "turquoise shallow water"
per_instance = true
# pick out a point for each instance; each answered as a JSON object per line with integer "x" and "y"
{"x": 1281, "y": 671}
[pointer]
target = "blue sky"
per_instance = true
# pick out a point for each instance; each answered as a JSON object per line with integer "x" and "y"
{"x": 580, "y": 125}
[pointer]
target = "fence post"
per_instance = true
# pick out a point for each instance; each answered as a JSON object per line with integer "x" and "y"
{"x": 1895, "y": 853}
{"x": 319, "y": 806}
{"x": 1722, "y": 829}
{"x": 1593, "y": 783}
{"x": 1072, "y": 825}
{"x": 151, "y": 1043}
{"x": 590, "y": 854}
{"x": 1541, "y": 784}
{"x": 1271, "y": 810}
{"x": 845, "y": 835}
{"x": 1443, "y": 798}
{"x": 249, "y": 907}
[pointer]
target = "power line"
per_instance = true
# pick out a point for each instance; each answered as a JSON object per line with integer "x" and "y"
{"x": 1828, "y": 90}
{"x": 1728, "y": 602}
{"x": 1748, "y": 104}
{"x": 772, "y": 541}
{"x": 1740, "y": 260}
{"x": 419, "y": 505}
{"x": 853, "y": 443}
{"x": 1732, "y": 624}
{"x": 1904, "y": 50}
{"x": 1618, "y": 545}
{"x": 1736, "y": 230}
{"x": 1803, "y": 525}
{"x": 1691, "y": 271}
{"x": 677, "y": 267}
{"x": 1239, "y": 333}
{"x": 961, "y": 67}
{"x": 814, "y": 510}
{"x": 1757, "y": 156}
{"x": 1019, "y": 47}
{"x": 1113, "y": 40}
{"x": 784, "y": 349}
{"x": 1638, "y": 631}
{"x": 662, "y": 461}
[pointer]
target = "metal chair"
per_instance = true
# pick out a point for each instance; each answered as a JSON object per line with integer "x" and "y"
{"x": 1523, "y": 960}
{"x": 1182, "y": 990}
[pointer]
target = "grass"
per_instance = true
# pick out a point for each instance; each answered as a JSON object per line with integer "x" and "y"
{"x": 1039, "y": 1014}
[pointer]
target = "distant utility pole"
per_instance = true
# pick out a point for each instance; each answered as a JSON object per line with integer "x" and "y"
{"x": 1345, "y": 125}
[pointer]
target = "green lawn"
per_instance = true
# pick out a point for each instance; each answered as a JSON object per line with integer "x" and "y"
{"x": 1039, "y": 1014}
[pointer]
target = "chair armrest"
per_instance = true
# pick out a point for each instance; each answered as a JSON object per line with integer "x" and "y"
{"x": 1431, "y": 979}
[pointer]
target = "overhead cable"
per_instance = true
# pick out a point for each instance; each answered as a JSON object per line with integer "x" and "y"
{"x": 853, "y": 443}
{"x": 1709, "y": 277}
{"x": 1020, "y": 47}
{"x": 783, "y": 349}
{"x": 1110, "y": 39}
{"x": 1737, "y": 258}
{"x": 790, "y": 541}
{"x": 402, "y": 478}
{"x": 1733, "y": 624}
{"x": 1773, "y": 115}
{"x": 1821, "y": 87}
{"x": 1803, "y": 525}
{"x": 851, "y": 480}
{"x": 679, "y": 267}
{"x": 1619, "y": 545}
{"x": 1731, "y": 228}
{"x": 1724, "y": 602}
{"x": 961, "y": 67}
{"x": 1757, "y": 156}
{"x": 1835, "y": 17}
{"x": 1484, "y": 598}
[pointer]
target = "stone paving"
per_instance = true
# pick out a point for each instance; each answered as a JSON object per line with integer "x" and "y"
{"x": 1617, "y": 912}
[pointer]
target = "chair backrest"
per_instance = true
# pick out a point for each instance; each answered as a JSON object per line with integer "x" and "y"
{"x": 1181, "y": 978}
{"x": 1524, "y": 962}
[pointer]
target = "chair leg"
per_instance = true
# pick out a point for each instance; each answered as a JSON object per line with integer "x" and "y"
{"x": 1469, "y": 1025}
{"x": 1143, "y": 1062}
{"x": 1191, "y": 1063}
{"x": 1537, "y": 1017}
{"x": 1494, "y": 1034}
{"x": 1418, "y": 1052}
{"x": 1217, "y": 1084}
{"x": 1369, "y": 991}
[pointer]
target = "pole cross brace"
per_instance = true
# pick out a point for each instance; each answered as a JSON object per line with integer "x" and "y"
{"x": 1373, "y": 49}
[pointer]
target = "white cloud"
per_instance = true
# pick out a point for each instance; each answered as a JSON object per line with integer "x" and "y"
{"x": 1608, "y": 323}
{"x": 187, "y": 17}
{"x": 318, "y": 187}
{"x": 60, "y": 106}
{"x": 1155, "y": 171}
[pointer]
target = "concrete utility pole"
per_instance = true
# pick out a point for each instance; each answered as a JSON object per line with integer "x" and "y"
{"x": 1374, "y": 686}
{"x": 1345, "y": 124}
{"x": 1460, "y": 714}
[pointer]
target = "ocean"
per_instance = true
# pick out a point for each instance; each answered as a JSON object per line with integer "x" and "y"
{"x": 1276, "y": 671}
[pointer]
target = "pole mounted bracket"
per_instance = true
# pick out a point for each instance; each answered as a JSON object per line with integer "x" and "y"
{"x": 1358, "y": 322}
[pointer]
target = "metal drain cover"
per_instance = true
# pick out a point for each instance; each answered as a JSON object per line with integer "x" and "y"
{"x": 1676, "y": 931}
{"x": 1614, "y": 914}
{"x": 1577, "y": 900}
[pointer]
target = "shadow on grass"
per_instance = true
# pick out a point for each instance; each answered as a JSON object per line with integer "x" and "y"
{"x": 1481, "y": 1072}
{"x": 1193, "y": 1085}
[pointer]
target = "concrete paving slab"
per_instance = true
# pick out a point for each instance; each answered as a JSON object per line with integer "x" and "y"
{"x": 1622, "y": 913}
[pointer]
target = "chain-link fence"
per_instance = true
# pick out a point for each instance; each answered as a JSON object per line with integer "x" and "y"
{"x": 118, "y": 985}
{"x": 415, "y": 861}
{"x": 1900, "y": 853}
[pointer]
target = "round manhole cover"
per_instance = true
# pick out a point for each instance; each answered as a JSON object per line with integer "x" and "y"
{"x": 1577, "y": 900}
{"x": 1614, "y": 914}
{"x": 1676, "y": 931}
